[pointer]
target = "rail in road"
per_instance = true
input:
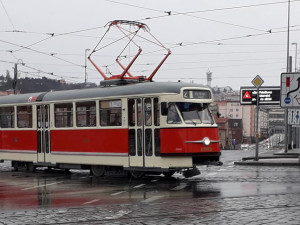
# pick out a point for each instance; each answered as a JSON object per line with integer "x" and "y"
{"x": 220, "y": 194}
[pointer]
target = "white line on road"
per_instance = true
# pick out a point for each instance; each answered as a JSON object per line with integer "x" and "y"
{"x": 155, "y": 180}
{"x": 24, "y": 189}
{"x": 118, "y": 215}
{"x": 90, "y": 202}
{"x": 152, "y": 199}
{"x": 118, "y": 193}
{"x": 138, "y": 186}
{"x": 210, "y": 174}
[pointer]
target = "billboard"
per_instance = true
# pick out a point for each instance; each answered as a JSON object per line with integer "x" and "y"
{"x": 269, "y": 95}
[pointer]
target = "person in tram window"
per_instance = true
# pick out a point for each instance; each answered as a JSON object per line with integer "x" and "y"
{"x": 117, "y": 121}
{"x": 148, "y": 119}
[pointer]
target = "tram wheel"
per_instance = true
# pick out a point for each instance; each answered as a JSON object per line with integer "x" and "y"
{"x": 168, "y": 174}
{"x": 97, "y": 171}
{"x": 30, "y": 167}
{"x": 137, "y": 174}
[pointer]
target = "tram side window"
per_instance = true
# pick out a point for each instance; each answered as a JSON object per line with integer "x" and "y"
{"x": 63, "y": 114}
{"x": 148, "y": 112}
{"x": 131, "y": 112}
{"x": 157, "y": 141}
{"x": 24, "y": 116}
{"x": 132, "y": 145}
{"x": 173, "y": 116}
{"x": 156, "y": 113}
{"x": 86, "y": 114}
{"x": 7, "y": 115}
{"x": 111, "y": 113}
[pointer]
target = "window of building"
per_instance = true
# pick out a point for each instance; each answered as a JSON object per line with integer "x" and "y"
{"x": 24, "y": 116}
{"x": 7, "y": 117}
{"x": 236, "y": 124}
{"x": 111, "y": 113}
{"x": 86, "y": 114}
{"x": 63, "y": 114}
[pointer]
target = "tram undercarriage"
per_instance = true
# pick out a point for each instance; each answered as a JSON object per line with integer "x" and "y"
{"x": 135, "y": 172}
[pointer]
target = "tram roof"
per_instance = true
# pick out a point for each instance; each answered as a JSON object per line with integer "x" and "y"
{"x": 126, "y": 90}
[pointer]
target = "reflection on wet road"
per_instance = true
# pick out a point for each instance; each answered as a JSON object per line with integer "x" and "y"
{"x": 55, "y": 189}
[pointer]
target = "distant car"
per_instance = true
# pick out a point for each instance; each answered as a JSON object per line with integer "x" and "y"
{"x": 244, "y": 147}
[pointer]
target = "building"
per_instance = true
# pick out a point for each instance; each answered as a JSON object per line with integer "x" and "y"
{"x": 223, "y": 131}
{"x": 235, "y": 132}
{"x": 234, "y": 110}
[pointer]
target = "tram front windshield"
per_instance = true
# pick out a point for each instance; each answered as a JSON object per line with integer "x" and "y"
{"x": 191, "y": 113}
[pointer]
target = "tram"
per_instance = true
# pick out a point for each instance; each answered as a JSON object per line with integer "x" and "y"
{"x": 127, "y": 124}
{"x": 144, "y": 127}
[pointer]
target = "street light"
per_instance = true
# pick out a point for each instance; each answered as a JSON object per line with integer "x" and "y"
{"x": 85, "y": 74}
{"x": 295, "y": 56}
{"x": 287, "y": 70}
{"x": 288, "y": 40}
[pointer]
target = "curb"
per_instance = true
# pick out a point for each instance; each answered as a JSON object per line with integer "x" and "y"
{"x": 258, "y": 163}
{"x": 273, "y": 157}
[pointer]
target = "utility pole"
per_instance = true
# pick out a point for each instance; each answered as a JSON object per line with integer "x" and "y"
{"x": 295, "y": 43}
{"x": 287, "y": 70}
{"x": 15, "y": 78}
{"x": 257, "y": 82}
{"x": 85, "y": 74}
{"x": 256, "y": 125}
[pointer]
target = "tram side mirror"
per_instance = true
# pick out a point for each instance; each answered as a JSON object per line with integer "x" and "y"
{"x": 164, "y": 109}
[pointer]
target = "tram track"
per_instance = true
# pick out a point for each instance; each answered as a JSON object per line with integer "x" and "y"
{"x": 181, "y": 210}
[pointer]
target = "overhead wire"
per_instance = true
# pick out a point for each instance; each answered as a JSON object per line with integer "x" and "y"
{"x": 40, "y": 52}
{"x": 171, "y": 14}
{"x": 211, "y": 67}
{"x": 41, "y": 71}
{"x": 10, "y": 20}
{"x": 174, "y": 13}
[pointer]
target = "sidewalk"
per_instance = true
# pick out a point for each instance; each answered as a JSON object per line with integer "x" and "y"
{"x": 291, "y": 158}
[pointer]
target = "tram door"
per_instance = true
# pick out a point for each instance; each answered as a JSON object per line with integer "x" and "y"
{"x": 143, "y": 122}
{"x": 43, "y": 133}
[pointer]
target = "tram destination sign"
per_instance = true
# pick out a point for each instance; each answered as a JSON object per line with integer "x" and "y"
{"x": 269, "y": 95}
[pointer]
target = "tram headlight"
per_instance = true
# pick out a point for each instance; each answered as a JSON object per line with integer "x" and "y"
{"x": 206, "y": 141}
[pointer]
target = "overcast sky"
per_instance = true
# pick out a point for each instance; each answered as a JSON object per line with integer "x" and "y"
{"x": 234, "y": 39}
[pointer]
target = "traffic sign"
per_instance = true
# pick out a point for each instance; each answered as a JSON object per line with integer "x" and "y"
{"x": 247, "y": 95}
{"x": 257, "y": 81}
{"x": 294, "y": 116}
{"x": 290, "y": 90}
{"x": 268, "y": 95}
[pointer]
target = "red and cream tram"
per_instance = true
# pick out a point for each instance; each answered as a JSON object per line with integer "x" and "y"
{"x": 144, "y": 127}
{"x": 130, "y": 123}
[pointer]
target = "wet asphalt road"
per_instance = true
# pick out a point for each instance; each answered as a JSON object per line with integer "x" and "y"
{"x": 226, "y": 194}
